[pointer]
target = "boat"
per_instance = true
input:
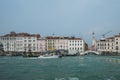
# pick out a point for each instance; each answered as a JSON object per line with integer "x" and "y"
{"x": 48, "y": 56}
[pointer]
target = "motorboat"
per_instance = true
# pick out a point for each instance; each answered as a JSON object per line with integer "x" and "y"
{"x": 48, "y": 56}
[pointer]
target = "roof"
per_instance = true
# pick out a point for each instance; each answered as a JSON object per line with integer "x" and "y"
{"x": 110, "y": 38}
{"x": 52, "y": 37}
{"x": 117, "y": 35}
{"x": 69, "y": 38}
{"x": 13, "y": 34}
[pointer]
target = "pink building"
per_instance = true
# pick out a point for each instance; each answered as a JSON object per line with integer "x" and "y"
{"x": 61, "y": 43}
{"x": 41, "y": 45}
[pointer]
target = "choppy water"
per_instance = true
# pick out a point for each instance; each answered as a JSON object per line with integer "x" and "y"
{"x": 66, "y": 68}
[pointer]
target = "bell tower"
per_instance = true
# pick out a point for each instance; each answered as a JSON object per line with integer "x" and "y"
{"x": 93, "y": 42}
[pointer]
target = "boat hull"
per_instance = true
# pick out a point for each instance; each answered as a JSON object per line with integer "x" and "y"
{"x": 48, "y": 57}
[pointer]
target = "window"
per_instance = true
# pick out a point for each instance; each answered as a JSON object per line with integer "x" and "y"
{"x": 80, "y": 48}
{"x": 34, "y": 49}
{"x": 116, "y": 47}
{"x": 33, "y": 44}
{"x": 112, "y": 44}
{"x": 24, "y": 40}
{"x": 29, "y": 45}
{"x": 116, "y": 42}
{"x": 112, "y": 47}
{"x": 98, "y": 44}
{"x": 29, "y": 40}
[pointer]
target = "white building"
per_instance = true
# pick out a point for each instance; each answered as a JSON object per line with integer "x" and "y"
{"x": 105, "y": 45}
{"x": 30, "y": 43}
{"x": 111, "y": 44}
{"x": 19, "y": 42}
{"x": 117, "y": 43}
{"x": 9, "y": 43}
{"x": 75, "y": 45}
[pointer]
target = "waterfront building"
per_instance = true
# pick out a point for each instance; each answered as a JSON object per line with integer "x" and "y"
{"x": 41, "y": 45}
{"x": 9, "y": 42}
{"x": 19, "y": 42}
{"x": 61, "y": 43}
{"x": 85, "y": 46}
{"x": 1, "y": 48}
{"x": 117, "y": 43}
{"x": 110, "y": 44}
{"x": 49, "y": 43}
{"x": 25, "y": 42}
{"x": 105, "y": 45}
{"x": 75, "y": 45}
{"x": 70, "y": 44}
{"x": 56, "y": 43}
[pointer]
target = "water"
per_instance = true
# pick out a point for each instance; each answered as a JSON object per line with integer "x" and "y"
{"x": 66, "y": 68}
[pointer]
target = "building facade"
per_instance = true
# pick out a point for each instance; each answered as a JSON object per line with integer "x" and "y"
{"x": 106, "y": 45}
{"x": 61, "y": 43}
{"x": 24, "y": 42}
{"x": 117, "y": 43}
{"x": 111, "y": 44}
{"x": 41, "y": 45}
{"x": 75, "y": 45}
{"x": 72, "y": 45}
{"x": 19, "y": 42}
{"x": 50, "y": 43}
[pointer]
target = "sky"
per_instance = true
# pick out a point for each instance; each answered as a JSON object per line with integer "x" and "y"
{"x": 77, "y": 18}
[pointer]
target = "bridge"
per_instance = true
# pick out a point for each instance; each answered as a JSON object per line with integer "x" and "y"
{"x": 87, "y": 52}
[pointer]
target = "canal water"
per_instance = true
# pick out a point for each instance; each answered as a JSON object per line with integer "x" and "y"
{"x": 65, "y": 68}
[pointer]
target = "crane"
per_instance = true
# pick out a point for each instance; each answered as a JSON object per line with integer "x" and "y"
{"x": 106, "y": 33}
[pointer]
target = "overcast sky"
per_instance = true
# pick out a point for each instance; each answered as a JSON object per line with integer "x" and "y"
{"x": 62, "y": 17}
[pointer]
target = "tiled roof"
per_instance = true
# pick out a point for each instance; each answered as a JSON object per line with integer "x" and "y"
{"x": 13, "y": 34}
{"x": 69, "y": 38}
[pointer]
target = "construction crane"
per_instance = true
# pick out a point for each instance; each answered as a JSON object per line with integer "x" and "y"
{"x": 106, "y": 33}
